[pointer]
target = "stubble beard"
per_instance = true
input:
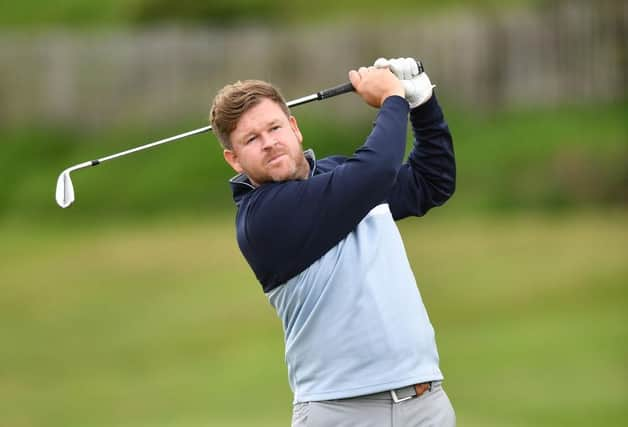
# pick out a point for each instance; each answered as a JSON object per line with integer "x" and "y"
{"x": 299, "y": 171}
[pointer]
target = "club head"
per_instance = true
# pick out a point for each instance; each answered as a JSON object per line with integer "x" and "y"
{"x": 65, "y": 189}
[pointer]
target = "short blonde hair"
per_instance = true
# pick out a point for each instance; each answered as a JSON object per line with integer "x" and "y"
{"x": 235, "y": 99}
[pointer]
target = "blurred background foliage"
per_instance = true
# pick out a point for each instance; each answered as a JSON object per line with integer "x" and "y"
{"x": 135, "y": 307}
{"x": 107, "y": 13}
{"x": 537, "y": 160}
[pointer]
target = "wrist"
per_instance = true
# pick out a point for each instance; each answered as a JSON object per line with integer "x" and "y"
{"x": 395, "y": 102}
{"x": 390, "y": 94}
{"x": 427, "y": 113}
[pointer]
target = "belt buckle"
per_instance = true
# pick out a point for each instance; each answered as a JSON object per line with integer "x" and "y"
{"x": 396, "y": 398}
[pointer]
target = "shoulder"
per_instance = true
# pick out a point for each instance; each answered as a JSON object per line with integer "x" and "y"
{"x": 328, "y": 163}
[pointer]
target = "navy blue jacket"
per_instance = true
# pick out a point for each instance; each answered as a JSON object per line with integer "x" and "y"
{"x": 284, "y": 227}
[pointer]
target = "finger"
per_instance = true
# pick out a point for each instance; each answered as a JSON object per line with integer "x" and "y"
{"x": 414, "y": 67}
{"x": 395, "y": 67}
{"x": 407, "y": 69}
{"x": 381, "y": 63}
{"x": 363, "y": 71}
{"x": 354, "y": 78}
{"x": 398, "y": 67}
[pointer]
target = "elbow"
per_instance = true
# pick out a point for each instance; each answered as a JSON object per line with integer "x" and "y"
{"x": 445, "y": 191}
{"x": 448, "y": 182}
{"x": 450, "y": 188}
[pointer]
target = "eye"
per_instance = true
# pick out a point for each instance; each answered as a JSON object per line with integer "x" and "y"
{"x": 250, "y": 139}
{"x": 275, "y": 127}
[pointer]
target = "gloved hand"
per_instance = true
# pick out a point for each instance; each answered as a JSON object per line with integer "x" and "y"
{"x": 418, "y": 87}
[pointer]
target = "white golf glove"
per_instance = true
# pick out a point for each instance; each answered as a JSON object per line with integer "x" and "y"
{"x": 418, "y": 87}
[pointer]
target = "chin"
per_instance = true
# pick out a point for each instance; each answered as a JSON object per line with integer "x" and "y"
{"x": 288, "y": 175}
{"x": 281, "y": 178}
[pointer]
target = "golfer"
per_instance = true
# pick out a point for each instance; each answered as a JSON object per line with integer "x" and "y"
{"x": 321, "y": 237}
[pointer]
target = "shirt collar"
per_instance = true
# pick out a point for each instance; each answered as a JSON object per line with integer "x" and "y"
{"x": 241, "y": 184}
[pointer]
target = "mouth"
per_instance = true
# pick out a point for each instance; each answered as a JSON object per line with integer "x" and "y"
{"x": 275, "y": 159}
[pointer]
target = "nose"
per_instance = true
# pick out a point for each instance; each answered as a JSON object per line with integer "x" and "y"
{"x": 268, "y": 142}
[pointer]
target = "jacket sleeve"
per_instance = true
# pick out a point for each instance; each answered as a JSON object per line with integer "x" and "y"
{"x": 428, "y": 178}
{"x": 284, "y": 227}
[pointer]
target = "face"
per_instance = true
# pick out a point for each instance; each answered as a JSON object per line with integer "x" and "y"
{"x": 266, "y": 145}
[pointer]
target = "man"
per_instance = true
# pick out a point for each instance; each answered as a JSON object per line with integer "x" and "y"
{"x": 321, "y": 239}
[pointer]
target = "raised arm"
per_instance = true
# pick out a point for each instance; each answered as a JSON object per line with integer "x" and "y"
{"x": 428, "y": 178}
{"x": 285, "y": 227}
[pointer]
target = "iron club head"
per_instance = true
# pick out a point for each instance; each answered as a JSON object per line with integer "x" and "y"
{"x": 65, "y": 190}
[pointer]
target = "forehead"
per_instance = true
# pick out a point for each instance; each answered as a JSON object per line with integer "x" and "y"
{"x": 265, "y": 112}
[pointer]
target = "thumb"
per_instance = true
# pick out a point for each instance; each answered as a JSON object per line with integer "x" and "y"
{"x": 354, "y": 78}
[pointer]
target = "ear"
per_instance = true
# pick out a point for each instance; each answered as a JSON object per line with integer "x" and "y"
{"x": 232, "y": 158}
{"x": 295, "y": 128}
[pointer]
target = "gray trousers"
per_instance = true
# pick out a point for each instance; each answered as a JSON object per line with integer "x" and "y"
{"x": 431, "y": 409}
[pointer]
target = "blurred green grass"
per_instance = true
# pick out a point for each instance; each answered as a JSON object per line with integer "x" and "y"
{"x": 161, "y": 323}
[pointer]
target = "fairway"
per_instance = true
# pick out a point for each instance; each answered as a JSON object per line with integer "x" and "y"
{"x": 163, "y": 324}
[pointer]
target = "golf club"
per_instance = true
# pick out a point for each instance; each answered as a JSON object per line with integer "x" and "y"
{"x": 65, "y": 190}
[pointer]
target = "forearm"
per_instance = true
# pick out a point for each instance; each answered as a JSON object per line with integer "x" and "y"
{"x": 427, "y": 179}
{"x": 433, "y": 154}
{"x": 373, "y": 167}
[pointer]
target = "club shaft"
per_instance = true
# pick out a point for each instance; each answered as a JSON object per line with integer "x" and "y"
{"x": 152, "y": 144}
{"x": 324, "y": 94}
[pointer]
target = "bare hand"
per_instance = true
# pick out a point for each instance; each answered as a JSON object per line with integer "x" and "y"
{"x": 375, "y": 85}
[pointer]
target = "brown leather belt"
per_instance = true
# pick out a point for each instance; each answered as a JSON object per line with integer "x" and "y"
{"x": 422, "y": 388}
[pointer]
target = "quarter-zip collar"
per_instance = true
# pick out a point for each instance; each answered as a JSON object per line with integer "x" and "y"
{"x": 241, "y": 184}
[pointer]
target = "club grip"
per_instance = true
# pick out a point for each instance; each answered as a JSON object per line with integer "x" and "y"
{"x": 336, "y": 90}
{"x": 348, "y": 87}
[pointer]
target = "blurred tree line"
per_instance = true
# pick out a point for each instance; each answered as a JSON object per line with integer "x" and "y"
{"x": 83, "y": 13}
